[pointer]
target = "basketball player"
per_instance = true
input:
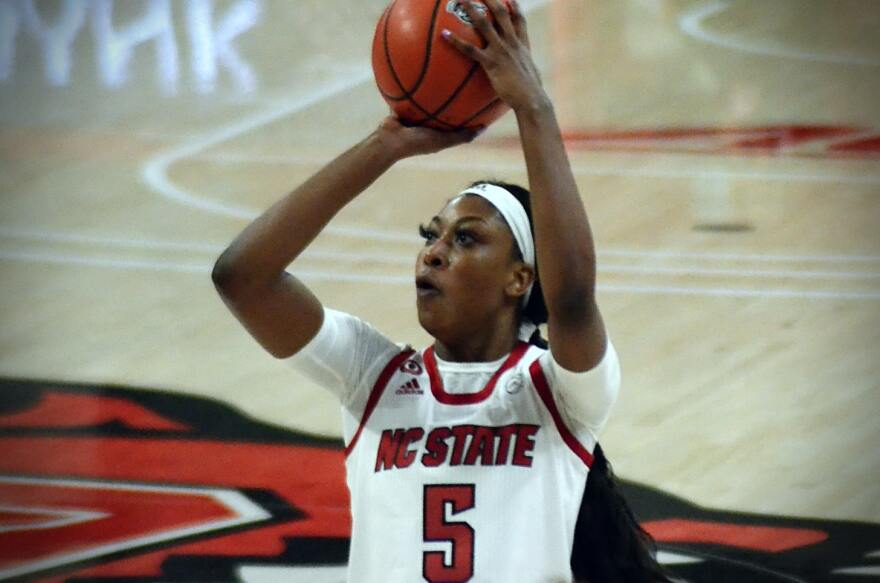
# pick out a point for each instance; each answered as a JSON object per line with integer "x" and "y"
{"x": 468, "y": 460}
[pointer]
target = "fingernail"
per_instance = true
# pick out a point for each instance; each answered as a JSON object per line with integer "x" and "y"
{"x": 445, "y": 33}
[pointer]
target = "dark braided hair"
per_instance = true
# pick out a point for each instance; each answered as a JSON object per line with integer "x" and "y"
{"x": 609, "y": 544}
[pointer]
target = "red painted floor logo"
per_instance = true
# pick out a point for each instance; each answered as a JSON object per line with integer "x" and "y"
{"x": 58, "y": 522}
{"x": 797, "y": 141}
{"x": 120, "y": 484}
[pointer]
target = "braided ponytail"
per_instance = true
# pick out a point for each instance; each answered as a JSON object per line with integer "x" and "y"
{"x": 609, "y": 544}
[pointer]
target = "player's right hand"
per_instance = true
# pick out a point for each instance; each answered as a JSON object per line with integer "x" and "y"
{"x": 405, "y": 141}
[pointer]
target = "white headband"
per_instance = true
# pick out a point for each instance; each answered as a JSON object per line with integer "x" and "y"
{"x": 518, "y": 221}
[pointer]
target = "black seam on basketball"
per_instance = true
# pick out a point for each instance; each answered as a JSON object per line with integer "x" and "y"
{"x": 425, "y": 62}
{"x": 458, "y": 89}
{"x": 428, "y": 47}
{"x": 404, "y": 97}
{"x": 408, "y": 95}
{"x": 432, "y": 116}
{"x": 428, "y": 115}
{"x": 479, "y": 113}
{"x": 388, "y": 57}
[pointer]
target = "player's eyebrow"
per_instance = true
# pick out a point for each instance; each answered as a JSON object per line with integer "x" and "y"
{"x": 468, "y": 219}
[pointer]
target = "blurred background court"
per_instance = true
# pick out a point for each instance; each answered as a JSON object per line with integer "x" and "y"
{"x": 728, "y": 154}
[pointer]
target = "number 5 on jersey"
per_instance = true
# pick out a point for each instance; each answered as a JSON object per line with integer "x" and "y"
{"x": 459, "y": 498}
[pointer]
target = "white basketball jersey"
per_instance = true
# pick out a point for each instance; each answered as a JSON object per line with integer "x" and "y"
{"x": 482, "y": 487}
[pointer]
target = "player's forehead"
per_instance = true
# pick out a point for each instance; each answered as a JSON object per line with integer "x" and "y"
{"x": 461, "y": 206}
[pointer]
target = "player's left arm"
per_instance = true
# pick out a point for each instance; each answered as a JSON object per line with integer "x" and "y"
{"x": 564, "y": 243}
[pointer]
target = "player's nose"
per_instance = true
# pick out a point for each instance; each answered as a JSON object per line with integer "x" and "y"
{"x": 435, "y": 255}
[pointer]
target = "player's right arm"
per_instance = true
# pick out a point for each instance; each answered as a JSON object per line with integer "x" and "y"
{"x": 275, "y": 307}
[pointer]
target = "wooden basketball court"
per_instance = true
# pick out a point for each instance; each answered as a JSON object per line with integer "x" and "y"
{"x": 728, "y": 154}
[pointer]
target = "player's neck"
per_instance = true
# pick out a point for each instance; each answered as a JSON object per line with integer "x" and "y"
{"x": 491, "y": 343}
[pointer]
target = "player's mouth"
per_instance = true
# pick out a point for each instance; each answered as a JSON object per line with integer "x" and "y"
{"x": 426, "y": 287}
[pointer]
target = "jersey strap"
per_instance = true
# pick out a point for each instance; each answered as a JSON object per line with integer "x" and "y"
{"x": 543, "y": 388}
{"x": 469, "y": 398}
{"x": 376, "y": 394}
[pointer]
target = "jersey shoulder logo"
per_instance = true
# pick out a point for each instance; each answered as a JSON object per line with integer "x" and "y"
{"x": 411, "y": 367}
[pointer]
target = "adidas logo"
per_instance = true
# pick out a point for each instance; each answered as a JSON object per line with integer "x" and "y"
{"x": 411, "y": 387}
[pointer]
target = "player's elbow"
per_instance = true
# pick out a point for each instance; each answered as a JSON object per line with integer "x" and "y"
{"x": 228, "y": 276}
{"x": 223, "y": 273}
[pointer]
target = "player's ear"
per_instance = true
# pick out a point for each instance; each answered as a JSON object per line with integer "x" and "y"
{"x": 521, "y": 277}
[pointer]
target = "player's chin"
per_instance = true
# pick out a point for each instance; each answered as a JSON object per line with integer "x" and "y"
{"x": 430, "y": 301}
{"x": 432, "y": 316}
{"x": 427, "y": 315}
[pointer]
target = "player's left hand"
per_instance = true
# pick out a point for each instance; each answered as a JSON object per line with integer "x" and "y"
{"x": 507, "y": 57}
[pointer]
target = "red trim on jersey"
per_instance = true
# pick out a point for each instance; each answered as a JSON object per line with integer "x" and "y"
{"x": 468, "y": 398}
{"x": 543, "y": 388}
{"x": 376, "y": 394}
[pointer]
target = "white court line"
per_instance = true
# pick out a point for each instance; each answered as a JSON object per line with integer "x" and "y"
{"x": 155, "y": 174}
{"x": 691, "y": 23}
{"x": 384, "y": 257}
{"x": 114, "y": 241}
{"x": 577, "y": 168}
{"x": 871, "y": 571}
{"x": 190, "y": 246}
{"x": 184, "y": 267}
{"x": 409, "y": 260}
{"x": 749, "y": 273}
{"x": 137, "y": 264}
{"x": 155, "y": 171}
{"x": 738, "y": 293}
{"x": 335, "y": 275}
{"x": 757, "y": 257}
{"x": 199, "y": 247}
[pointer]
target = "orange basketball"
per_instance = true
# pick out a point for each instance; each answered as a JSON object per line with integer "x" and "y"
{"x": 426, "y": 80}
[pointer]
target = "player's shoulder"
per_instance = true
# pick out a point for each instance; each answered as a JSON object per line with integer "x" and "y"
{"x": 533, "y": 356}
{"x": 402, "y": 357}
{"x": 543, "y": 359}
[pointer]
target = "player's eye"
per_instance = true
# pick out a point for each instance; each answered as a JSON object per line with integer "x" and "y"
{"x": 429, "y": 235}
{"x": 464, "y": 237}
